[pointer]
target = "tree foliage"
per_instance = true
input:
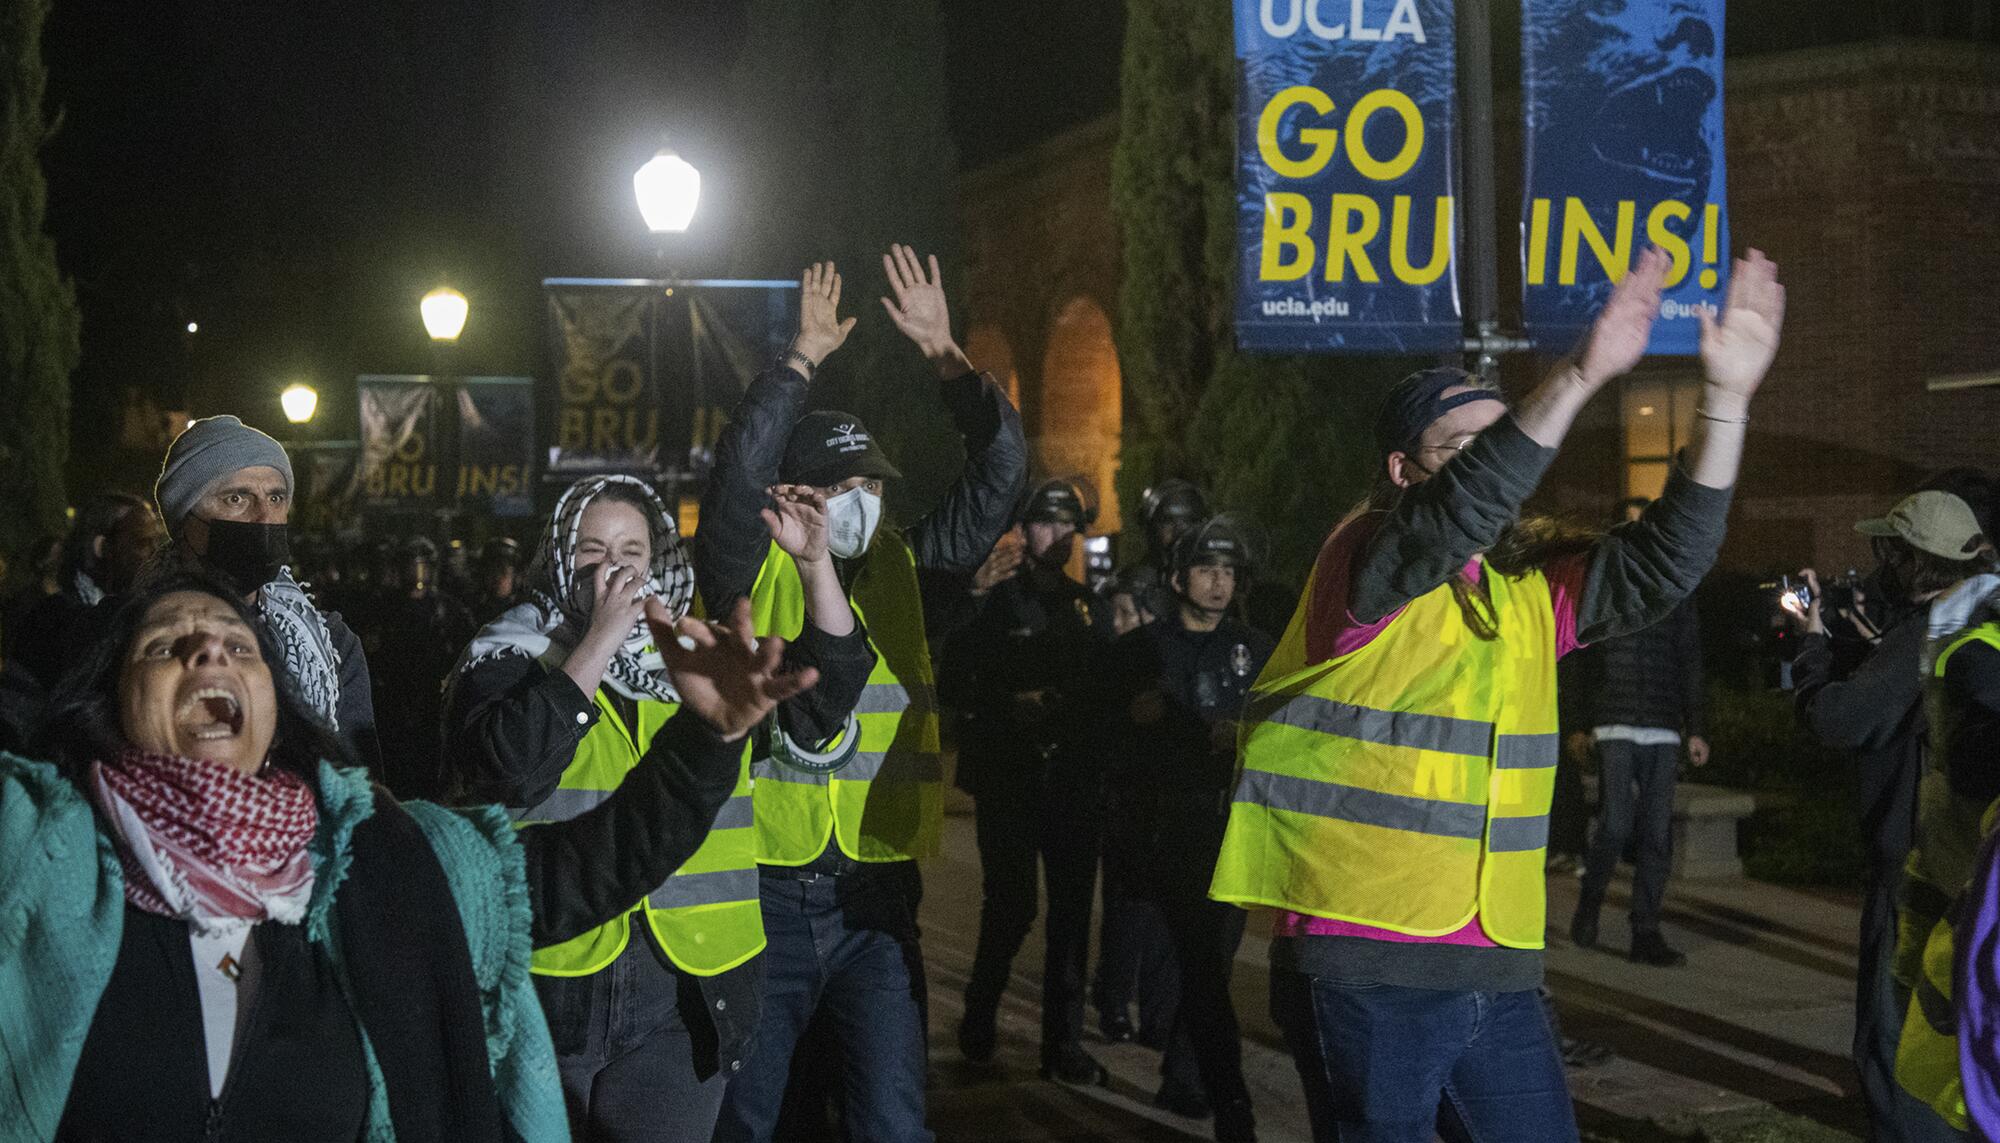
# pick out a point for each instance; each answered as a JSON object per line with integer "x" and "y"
{"x": 38, "y": 313}
{"x": 1284, "y": 440}
{"x": 852, "y": 155}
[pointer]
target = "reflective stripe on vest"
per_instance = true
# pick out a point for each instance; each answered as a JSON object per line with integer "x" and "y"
{"x": 1404, "y": 785}
{"x": 887, "y": 803}
{"x": 706, "y": 915}
{"x": 1927, "y": 1053}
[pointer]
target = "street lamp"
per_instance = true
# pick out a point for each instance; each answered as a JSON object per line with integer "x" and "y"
{"x": 300, "y": 401}
{"x": 444, "y": 311}
{"x": 668, "y": 188}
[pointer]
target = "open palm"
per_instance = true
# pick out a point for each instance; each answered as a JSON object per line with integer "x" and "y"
{"x": 919, "y": 308}
{"x": 797, "y": 521}
{"x": 726, "y": 675}
{"x": 1617, "y": 339}
{"x": 1737, "y": 348}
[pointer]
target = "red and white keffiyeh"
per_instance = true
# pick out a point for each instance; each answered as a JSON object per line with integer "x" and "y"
{"x": 207, "y": 843}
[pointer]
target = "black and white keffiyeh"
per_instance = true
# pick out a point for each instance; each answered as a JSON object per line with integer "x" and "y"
{"x": 305, "y": 641}
{"x": 557, "y": 613}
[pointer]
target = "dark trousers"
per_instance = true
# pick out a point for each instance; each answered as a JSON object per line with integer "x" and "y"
{"x": 628, "y": 1040}
{"x": 1635, "y": 792}
{"x": 1013, "y": 833}
{"x": 1135, "y": 959}
{"x": 1205, "y": 1050}
{"x": 844, "y": 947}
{"x": 1382, "y": 1064}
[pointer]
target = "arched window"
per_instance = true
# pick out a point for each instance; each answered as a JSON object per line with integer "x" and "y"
{"x": 1077, "y": 426}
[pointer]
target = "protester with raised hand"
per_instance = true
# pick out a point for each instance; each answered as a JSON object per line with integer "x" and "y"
{"x": 222, "y": 930}
{"x": 1400, "y": 747}
{"x": 551, "y": 707}
{"x": 840, "y": 831}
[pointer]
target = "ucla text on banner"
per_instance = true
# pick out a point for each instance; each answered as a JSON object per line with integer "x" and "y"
{"x": 496, "y": 445}
{"x": 647, "y": 371}
{"x": 1346, "y": 214}
{"x": 1624, "y": 148}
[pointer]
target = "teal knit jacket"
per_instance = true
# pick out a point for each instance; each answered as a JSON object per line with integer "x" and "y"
{"x": 62, "y": 912}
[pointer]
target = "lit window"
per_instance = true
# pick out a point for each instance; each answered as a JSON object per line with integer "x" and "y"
{"x": 1658, "y": 415}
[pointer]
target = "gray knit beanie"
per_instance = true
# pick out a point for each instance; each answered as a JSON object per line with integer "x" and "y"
{"x": 207, "y": 449}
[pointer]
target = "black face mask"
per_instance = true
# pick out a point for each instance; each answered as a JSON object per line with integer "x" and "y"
{"x": 248, "y": 555}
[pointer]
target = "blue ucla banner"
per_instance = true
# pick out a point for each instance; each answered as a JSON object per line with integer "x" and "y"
{"x": 1624, "y": 149}
{"x": 1344, "y": 176}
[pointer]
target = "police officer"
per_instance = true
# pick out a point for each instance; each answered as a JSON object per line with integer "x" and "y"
{"x": 1179, "y": 685}
{"x": 1013, "y": 671}
{"x": 1168, "y": 509}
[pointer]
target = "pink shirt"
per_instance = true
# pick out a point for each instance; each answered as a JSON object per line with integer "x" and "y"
{"x": 1332, "y": 630}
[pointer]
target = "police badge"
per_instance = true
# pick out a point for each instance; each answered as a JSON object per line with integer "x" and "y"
{"x": 1239, "y": 660}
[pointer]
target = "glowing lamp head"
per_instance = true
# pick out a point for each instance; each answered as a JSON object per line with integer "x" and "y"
{"x": 300, "y": 402}
{"x": 444, "y": 311}
{"x": 669, "y": 188}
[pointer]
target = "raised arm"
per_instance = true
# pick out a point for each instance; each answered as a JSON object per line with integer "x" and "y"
{"x": 958, "y": 533}
{"x": 1641, "y": 571}
{"x": 1441, "y": 522}
{"x": 731, "y": 543}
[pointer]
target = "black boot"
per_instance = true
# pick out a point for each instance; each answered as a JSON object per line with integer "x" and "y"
{"x": 1182, "y": 1099}
{"x": 1234, "y": 1123}
{"x": 1583, "y": 926}
{"x": 1651, "y": 948}
{"x": 1069, "y": 1063}
{"x": 978, "y": 1037}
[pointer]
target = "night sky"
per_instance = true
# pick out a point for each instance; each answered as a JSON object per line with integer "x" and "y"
{"x": 294, "y": 177}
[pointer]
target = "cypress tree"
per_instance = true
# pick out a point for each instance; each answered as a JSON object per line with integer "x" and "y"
{"x": 1283, "y": 440}
{"x": 38, "y": 313}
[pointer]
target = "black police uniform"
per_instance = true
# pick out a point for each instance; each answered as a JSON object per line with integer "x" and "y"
{"x": 1012, "y": 673}
{"x": 1169, "y": 784}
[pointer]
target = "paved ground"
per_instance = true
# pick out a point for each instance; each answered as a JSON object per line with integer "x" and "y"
{"x": 1758, "y": 1020}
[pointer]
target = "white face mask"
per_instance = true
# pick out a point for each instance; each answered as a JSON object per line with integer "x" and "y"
{"x": 851, "y": 520}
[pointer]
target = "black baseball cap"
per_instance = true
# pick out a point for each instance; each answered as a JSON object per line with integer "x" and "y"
{"x": 828, "y": 446}
{"x": 1418, "y": 400}
{"x": 1055, "y": 501}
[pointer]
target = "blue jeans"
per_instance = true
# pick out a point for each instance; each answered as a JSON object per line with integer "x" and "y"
{"x": 846, "y": 947}
{"x": 1383, "y": 1064}
{"x": 630, "y": 1043}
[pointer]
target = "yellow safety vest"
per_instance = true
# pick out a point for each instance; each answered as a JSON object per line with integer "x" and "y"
{"x": 706, "y": 915}
{"x": 1927, "y": 1052}
{"x": 887, "y": 803}
{"x": 1927, "y": 1062}
{"x": 1404, "y": 785}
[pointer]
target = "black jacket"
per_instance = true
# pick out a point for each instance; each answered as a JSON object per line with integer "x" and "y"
{"x": 1876, "y": 715}
{"x": 1014, "y": 674}
{"x": 1650, "y": 678}
{"x": 515, "y": 727}
{"x": 949, "y": 543}
{"x": 1169, "y": 779}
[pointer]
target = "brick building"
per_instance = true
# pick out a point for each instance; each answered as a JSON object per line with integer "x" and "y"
{"x": 1870, "y": 172}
